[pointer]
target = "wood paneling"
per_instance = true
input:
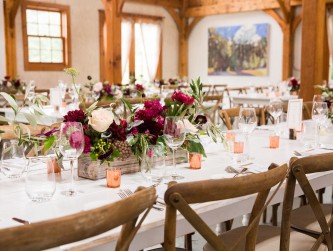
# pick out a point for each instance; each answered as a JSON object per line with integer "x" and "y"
{"x": 165, "y": 3}
{"x": 312, "y": 62}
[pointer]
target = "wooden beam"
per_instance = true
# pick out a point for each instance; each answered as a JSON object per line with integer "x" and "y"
{"x": 288, "y": 47}
{"x": 10, "y": 11}
{"x": 276, "y": 17}
{"x": 312, "y": 62}
{"x": 121, "y": 5}
{"x": 194, "y": 22}
{"x": 296, "y": 22}
{"x": 225, "y": 7}
{"x": 284, "y": 9}
{"x": 183, "y": 42}
{"x": 175, "y": 17}
{"x": 113, "y": 71}
{"x": 176, "y": 4}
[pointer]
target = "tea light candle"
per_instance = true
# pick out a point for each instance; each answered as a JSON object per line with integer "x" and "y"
{"x": 274, "y": 141}
{"x": 230, "y": 136}
{"x": 113, "y": 177}
{"x": 238, "y": 147}
{"x": 195, "y": 160}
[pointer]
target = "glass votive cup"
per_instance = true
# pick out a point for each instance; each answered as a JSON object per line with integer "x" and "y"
{"x": 195, "y": 160}
{"x": 274, "y": 141}
{"x": 238, "y": 147}
{"x": 230, "y": 136}
{"x": 113, "y": 177}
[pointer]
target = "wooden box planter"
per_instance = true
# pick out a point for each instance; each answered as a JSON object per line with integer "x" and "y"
{"x": 93, "y": 170}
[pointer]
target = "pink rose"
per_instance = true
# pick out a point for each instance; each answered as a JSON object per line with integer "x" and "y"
{"x": 76, "y": 140}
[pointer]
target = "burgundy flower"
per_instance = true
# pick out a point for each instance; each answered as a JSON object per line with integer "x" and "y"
{"x": 139, "y": 88}
{"x": 75, "y": 116}
{"x": 87, "y": 144}
{"x": 294, "y": 83}
{"x": 135, "y": 131}
{"x": 4, "y": 83}
{"x": 108, "y": 90}
{"x": 7, "y": 78}
{"x": 76, "y": 139}
{"x": 201, "y": 119}
{"x": 118, "y": 131}
{"x": 17, "y": 83}
{"x": 105, "y": 155}
{"x": 182, "y": 98}
{"x": 49, "y": 133}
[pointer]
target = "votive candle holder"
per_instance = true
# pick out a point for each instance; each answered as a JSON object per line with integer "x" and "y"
{"x": 195, "y": 160}
{"x": 113, "y": 177}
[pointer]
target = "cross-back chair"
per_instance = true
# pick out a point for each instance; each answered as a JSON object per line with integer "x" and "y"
{"x": 212, "y": 104}
{"x": 179, "y": 197}
{"x": 314, "y": 219}
{"x": 82, "y": 225}
{"x": 228, "y": 116}
{"x": 239, "y": 90}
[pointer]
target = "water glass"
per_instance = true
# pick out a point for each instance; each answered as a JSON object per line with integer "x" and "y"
{"x": 13, "y": 160}
{"x": 239, "y": 148}
{"x": 152, "y": 164}
{"x": 308, "y": 134}
{"x": 40, "y": 181}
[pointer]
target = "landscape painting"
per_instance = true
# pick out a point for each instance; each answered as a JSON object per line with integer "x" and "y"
{"x": 238, "y": 50}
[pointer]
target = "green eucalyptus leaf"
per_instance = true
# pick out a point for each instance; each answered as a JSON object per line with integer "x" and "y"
{"x": 4, "y": 119}
{"x": 31, "y": 119}
{"x": 11, "y": 101}
{"x": 49, "y": 142}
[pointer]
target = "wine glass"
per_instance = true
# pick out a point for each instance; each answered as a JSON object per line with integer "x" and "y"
{"x": 152, "y": 164}
{"x": 13, "y": 159}
{"x": 318, "y": 98}
{"x": 71, "y": 144}
{"x": 319, "y": 115}
{"x": 40, "y": 181}
{"x": 174, "y": 135}
{"x": 247, "y": 119}
{"x": 275, "y": 109}
{"x": 63, "y": 89}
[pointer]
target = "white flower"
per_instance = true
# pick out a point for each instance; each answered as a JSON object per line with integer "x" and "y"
{"x": 98, "y": 87}
{"x": 187, "y": 126}
{"x": 118, "y": 94}
{"x": 101, "y": 119}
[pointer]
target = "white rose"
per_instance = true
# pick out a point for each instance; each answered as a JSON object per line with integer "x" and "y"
{"x": 98, "y": 87}
{"x": 101, "y": 119}
{"x": 118, "y": 94}
{"x": 187, "y": 126}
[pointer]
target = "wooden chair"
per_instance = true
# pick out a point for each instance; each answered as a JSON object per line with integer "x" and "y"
{"x": 314, "y": 219}
{"x": 228, "y": 116}
{"x": 239, "y": 90}
{"x": 212, "y": 104}
{"x": 9, "y": 131}
{"x": 180, "y": 196}
{"x": 82, "y": 225}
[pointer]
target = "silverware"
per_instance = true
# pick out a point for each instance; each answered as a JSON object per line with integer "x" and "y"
{"x": 24, "y": 222}
{"x": 124, "y": 193}
{"x": 241, "y": 172}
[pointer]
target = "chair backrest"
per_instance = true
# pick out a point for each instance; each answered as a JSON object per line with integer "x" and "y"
{"x": 298, "y": 170}
{"x": 212, "y": 104}
{"x": 180, "y": 196}
{"x": 82, "y": 225}
{"x": 228, "y": 116}
{"x": 239, "y": 90}
{"x": 9, "y": 130}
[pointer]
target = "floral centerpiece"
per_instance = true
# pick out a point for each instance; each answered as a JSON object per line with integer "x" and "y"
{"x": 108, "y": 136}
{"x": 12, "y": 85}
{"x": 294, "y": 85}
{"x": 327, "y": 93}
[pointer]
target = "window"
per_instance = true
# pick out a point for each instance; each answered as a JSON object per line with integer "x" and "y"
{"x": 141, "y": 43}
{"x": 46, "y": 36}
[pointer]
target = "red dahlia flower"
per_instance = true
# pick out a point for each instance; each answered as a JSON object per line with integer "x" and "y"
{"x": 182, "y": 98}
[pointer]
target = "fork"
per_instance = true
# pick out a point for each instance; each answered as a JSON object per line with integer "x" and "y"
{"x": 124, "y": 193}
{"x": 129, "y": 193}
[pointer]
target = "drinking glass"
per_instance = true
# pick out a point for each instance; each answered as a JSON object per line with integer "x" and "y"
{"x": 13, "y": 160}
{"x": 308, "y": 134}
{"x": 247, "y": 120}
{"x": 318, "y": 98}
{"x": 40, "y": 182}
{"x": 319, "y": 115}
{"x": 63, "y": 89}
{"x": 71, "y": 144}
{"x": 174, "y": 135}
{"x": 275, "y": 109}
{"x": 152, "y": 164}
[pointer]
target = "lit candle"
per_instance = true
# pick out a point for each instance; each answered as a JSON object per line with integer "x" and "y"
{"x": 195, "y": 160}
{"x": 274, "y": 141}
{"x": 113, "y": 177}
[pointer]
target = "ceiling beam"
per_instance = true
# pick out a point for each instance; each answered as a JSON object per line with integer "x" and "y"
{"x": 234, "y": 6}
{"x": 284, "y": 9}
{"x": 177, "y": 4}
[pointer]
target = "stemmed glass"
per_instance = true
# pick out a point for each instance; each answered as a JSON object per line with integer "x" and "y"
{"x": 71, "y": 144}
{"x": 247, "y": 123}
{"x": 63, "y": 89}
{"x": 152, "y": 164}
{"x": 174, "y": 135}
{"x": 275, "y": 109}
{"x": 319, "y": 114}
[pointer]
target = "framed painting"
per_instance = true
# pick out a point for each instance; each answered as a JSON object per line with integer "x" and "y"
{"x": 238, "y": 50}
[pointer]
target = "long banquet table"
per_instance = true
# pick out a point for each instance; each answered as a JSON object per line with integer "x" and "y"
{"x": 257, "y": 99}
{"x": 15, "y": 203}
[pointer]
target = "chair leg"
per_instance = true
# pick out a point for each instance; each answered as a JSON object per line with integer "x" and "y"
{"x": 275, "y": 214}
{"x": 264, "y": 216}
{"x": 188, "y": 241}
{"x": 228, "y": 224}
{"x": 320, "y": 195}
{"x": 303, "y": 200}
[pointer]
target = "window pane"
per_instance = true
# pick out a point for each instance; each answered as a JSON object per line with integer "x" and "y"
{"x": 55, "y": 30}
{"x": 43, "y": 30}
{"x": 45, "y": 43}
{"x": 31, "y": 16}
{"x": 55, "y": 18}
{"x": 43, "y": 17}
{"x": 45, "y": 56}
{"x": 34, "y": 56}
{"x": 141, "y": 71}
{"x": 57, "y": 57}
{"x": 32, "y": 29}
{"x": 33, "y": 43}
{"x": 57, "y": 44}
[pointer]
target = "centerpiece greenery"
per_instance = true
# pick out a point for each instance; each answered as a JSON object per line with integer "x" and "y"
{"x": 327, "y": 93}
